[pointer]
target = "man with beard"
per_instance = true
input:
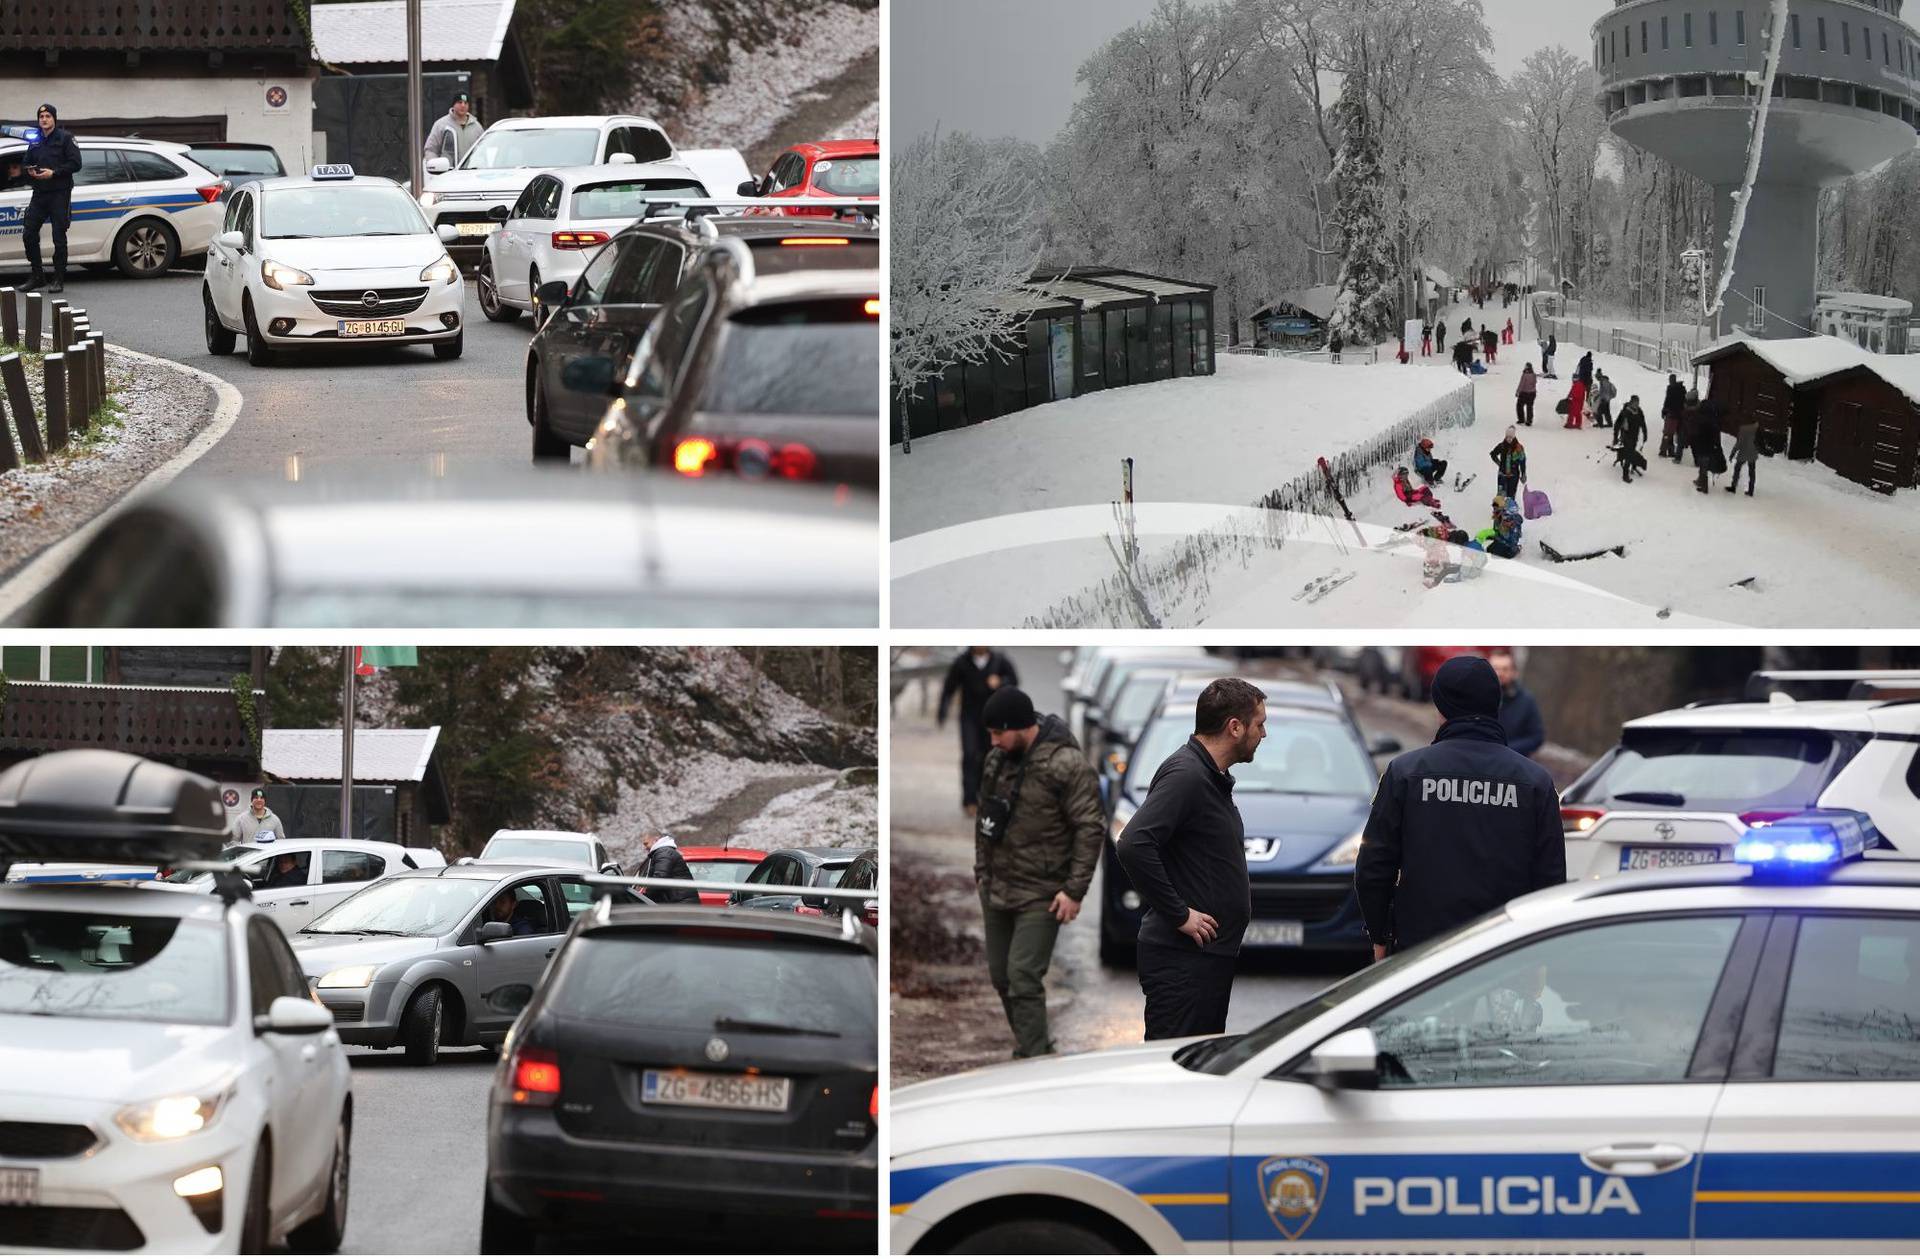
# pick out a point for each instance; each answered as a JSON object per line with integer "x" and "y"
{"x": 1185, "y": 853}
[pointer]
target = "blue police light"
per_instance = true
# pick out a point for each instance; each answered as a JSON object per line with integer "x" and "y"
{"x": 1809, "y": 842}
{"x": 29, "y": 134}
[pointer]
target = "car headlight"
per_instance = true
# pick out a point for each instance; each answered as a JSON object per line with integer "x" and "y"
{"x": 1345, "y": 854}
{"x": 428, "y": 199}
{"x": 347, "y": 977}
{"x": 279, "y": 276}
{"x": 170, "y": 1118}
{"x": 443, "y": 271}
{"x": 1122, "y": 814}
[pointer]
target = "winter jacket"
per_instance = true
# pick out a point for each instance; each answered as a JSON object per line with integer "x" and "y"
{"x": 1577, "y": 401}
{"x": 1553, "y": 346}
{"x": 1489, "y": 340}
{"x": 1186, "y": 849}
{"x": 452, "y": 139}
{"x": 56, "y": 152}
{"x": 1507, "y": 526}
{"x": 1747, "y": 448}
{"x": 1675, "y": 403}
{"x": 1466, "y": 327}
{"x": 969, "y": 682}
{"x": 1584, "y": 369}
{"x": 247, "y": 828}
{"x": 1520, "y": 718}
{"x": 1510, "y": 459}
{"x": 665, "y": 862}
{"x": 1703, "y": 438}
{"x": 1632, "y": 427}
{"x": 1053, "y": 840}
{"x": 1334, "y": 343}
{"x": 1529, "y": 384}
{"x": 1607, "y": 392}
{"x": 1423, "y": 461}
{"x": 1458, "y": 828}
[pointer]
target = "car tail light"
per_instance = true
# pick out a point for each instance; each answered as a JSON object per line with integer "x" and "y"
{"x": 1580, "y": 821}
{"x": 749, "y": 457}
{"x": 810, "y": 911}
{"x": 692, "y": 455}
{"x": 211, "y": 192}
{"x": 873, "y": 307}
{"x": 803, "y": 242}
{"x": 536, "y": 1076}
{"x": 813, "y": 212}
{"x": 870, "y": 911}
{"x": 873, "y": 1105}
{"x": 1766, "y": 817}
{"x": 578, "y": 240}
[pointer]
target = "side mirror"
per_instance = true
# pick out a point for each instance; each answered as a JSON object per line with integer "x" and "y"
{"x": 491, "y": 931}
{"x": 233, "y": 240}
{"x": 589, "y": 374}
{"x": 1350, "y": 1060}
{"x": 1384, "y": 745}
{"x": 621, "y": 159}
{"x": 751, "y": 188}
{"x": 438, "y": 166}
{"x": 447, "y": 233}
{"x": 500, "y": 213}
{"x": 295, "y": 1016}
{"x": 551, "y": 295}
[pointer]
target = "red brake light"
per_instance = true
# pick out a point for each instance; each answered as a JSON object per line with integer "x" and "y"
{"x": 1580, "y": 821}
{"x": 873, "y": 1105}
{"x": 810, "y": 911}
{"x": 578, "y": 240}
{"x": 795, "y": 462}
{"x": 804, "y": 241}
{"x": 747, "y": 457}
{"x": 536, "y": 1076}
{"x": 210, "y": 193}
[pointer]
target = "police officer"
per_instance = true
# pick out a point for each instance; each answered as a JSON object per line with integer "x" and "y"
{"x": 48, "y": 168}
{"x": 1185, "y": 852}
{"x": 1459, "y": 827}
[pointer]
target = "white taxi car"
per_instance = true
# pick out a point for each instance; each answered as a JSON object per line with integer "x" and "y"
{"x": 141, "y": 205}
{"x": 1717, "y": 1059}
{"x": 329, "y": 260}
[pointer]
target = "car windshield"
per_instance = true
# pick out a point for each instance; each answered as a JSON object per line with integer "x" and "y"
{"x": 721, "y": 871}
{"x": 691, "y": 979}
{"x": 108, "y": 965}
{"x": 545, "y": 147}
{"x": 1304, "y": 753}
{"x": 1225, "y": 1054}
{"x": 238, "y": 161}
{"x": 782, "y": 362}
{"x": 1137, "y": 698}
{"x": 1727, "y": 771}
{"x": 404, "y": 906}
{"x": 848, "y": 176}
{"x": 254, "y": 865}
{"x": 626, "y": 198}
{"x": 320, "y": 210}
{"x": 561, "y": 852}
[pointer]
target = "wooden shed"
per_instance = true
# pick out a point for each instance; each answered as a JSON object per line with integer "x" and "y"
{"x": 1773, "y": 382}
{"x": 1870, "y": 422}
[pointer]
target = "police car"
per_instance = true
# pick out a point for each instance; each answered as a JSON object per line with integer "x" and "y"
{"x": 332, "y": 259}
{"x": 141, "y": 205}
{"x": 1715, "y": 1058}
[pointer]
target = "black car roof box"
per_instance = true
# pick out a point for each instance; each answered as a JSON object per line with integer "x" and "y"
{"x": 91, "y": 804}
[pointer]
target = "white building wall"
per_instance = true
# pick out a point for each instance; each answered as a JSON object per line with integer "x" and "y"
{"x": 288, "y": 128}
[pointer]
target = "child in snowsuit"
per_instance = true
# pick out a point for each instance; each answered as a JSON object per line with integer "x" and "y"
{"x": 1746, "y": 450}
{"x": 1426, "y": 340}
{"x": 1425, "y": 465}
{"x": 1509, "y": 464}
{"x": 1410, "y": 494}
{"x": 1577, "y": 404}
{"x": 1524, "y": 396}
{"x": 1506, "y": 334}
{"x": 1506, "y": 530}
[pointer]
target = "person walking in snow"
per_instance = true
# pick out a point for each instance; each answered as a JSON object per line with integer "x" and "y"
{"x": 1463, "y": 356}
{"x": 1426, "y": 340}
{"x": 1627, "y": 436}
{"x": 1672, "y": 408}
{"x": 1577, "y": 404}
{"x": 1506, "y": 334}
{"x": 1425, "y": 465}
{"x": 1489, "y": 344}
{"x": 1547, "y": 351}
{"x": 1509, "y": 464}
{"x": 1603, "y": 396}
{"x": 1333, "y": 348}
{"x": 1704, "y": 440}
{"x": 1746, "y": 451}
{"x": 1583, "y": 372}
{"x": 1523, "y": 396}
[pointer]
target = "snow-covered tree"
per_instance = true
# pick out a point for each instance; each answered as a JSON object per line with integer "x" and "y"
{"x": 1363, "y": 310}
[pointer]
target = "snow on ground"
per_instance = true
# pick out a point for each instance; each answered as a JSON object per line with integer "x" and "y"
{"x": 1227, "y": 438}
{"x": 700, "y": 781}
{"x": 824, "y": 815}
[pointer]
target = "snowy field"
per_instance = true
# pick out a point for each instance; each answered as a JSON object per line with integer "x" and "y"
{"x": 1810, "y": 549}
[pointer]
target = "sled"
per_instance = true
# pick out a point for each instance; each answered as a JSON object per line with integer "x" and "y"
{"x": 1534, "y": 504}
{"x": 1558, "y": 558}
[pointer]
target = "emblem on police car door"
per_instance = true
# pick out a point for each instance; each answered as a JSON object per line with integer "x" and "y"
{"x": 1292, "y": 1190}
{"x": 717, "y": 1050}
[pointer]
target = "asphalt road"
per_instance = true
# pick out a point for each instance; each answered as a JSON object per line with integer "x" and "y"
{"x": 419, "y": 1153}
{"x": 391, "y": 408}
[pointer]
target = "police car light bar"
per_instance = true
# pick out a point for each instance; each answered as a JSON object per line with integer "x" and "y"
{"x": 1814, "y": 840}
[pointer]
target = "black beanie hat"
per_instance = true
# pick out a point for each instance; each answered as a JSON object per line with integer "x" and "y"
{"x": 1008, "y": 709}
{"x": 1466, "y": 686}
{"x": 50, "y": 109}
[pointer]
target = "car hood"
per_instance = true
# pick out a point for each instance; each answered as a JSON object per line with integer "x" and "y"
{"x": 373, "y": 253}
{"x": 1059, "y": 1095}
{"x": 319, "y": 954}
{"x": 107, "y": 1060}
{"x": 506, "y": 183}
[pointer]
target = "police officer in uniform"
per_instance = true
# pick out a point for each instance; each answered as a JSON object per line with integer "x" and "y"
{"x": 1459, "y": 827}
{"x": 47, "y": 168}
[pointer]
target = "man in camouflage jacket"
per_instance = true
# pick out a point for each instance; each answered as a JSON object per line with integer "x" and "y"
{"x": 1033, "y": 865}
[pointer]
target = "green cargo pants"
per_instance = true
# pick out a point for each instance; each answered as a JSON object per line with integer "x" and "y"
{"x": 1019, "y": 950}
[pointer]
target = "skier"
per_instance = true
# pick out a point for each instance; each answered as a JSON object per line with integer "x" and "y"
{"x": 1671, "y": 410}
{"x": 1333, "y": 348}
{"x": 1410, "y": 494}
{"x": 1490, "y": 344}
{"x": 1426, "y": 340}
{"x": 1509, "y": 464}
{"x": 1627, "y": 436}
{"x": 1429, "y": 469}
{"x": 1603, "y": 394}
{"x": 1524, "y": 396}
{"x": 1577, "y": 404}
{"x": 1746, "y": 451}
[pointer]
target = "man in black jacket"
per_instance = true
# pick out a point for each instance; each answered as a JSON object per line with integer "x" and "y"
{"x": 48, "y": 168}
{"x": 1185, "y": 853}
{"x": 1519, "y": 711}
{"x": 1459, "y": 827}
{"x": 665, "y": 862}
{"x": 975, "y": 674}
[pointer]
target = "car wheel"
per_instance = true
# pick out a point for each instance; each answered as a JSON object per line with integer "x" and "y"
{"x": 145, "y": 248}
{"x": 220, "y": 338}
{"x": 490, "y": 304}
{"x": 533, "y": 287}
{"x": 546, "y": 445}
{"x": 450, "y": 349}
{"x": 322, "y": 1234}
{"x": 420, "y": 1028}
{"x": 259, "y": 353}
{"x": 1035, "y": 1237}
{"x": 254, "y": 1225}
{"x": 504, "y": 1233}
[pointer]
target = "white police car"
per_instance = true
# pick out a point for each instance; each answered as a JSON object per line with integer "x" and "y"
{"x": 141, "y": 205}
{"x": 329, "y": 260}
{"x": 1719, "y": 1058}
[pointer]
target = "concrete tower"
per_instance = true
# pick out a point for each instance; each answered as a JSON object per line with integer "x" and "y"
{"x": 1675, "y": 82}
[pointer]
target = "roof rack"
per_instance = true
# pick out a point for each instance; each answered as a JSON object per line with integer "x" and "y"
{"x": 1762, "y": 683}
{"x": 849, "y": 925}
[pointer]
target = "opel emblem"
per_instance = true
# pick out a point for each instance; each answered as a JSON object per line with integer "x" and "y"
{"x": 370, "y": 299}
{"x": 1665, "y": 830}
{"x": 717, "y": 1050}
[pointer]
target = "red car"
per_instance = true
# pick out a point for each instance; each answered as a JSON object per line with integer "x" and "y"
{"x": 1423, "y": 662}
{"x": 843, "y": 169}
{"x": 715, "y": 864}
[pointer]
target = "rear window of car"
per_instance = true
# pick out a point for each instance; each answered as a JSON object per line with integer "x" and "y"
{"x": 1727, "y": 771}
{"x": 571, "y": 852}
{"x": 108, "y": 965}
{"x": 781, "y": 361}
{"x": 848, "y": 176}
{"x": 144, "y": 165}
{"x": 695, "y": 979}
{"x": 827, "y": 873}
{"x": 627, "y": 198}
{"x": 771, "y": 257}
{"x": 238, "y": 161}
{"x": 721, "y": 871}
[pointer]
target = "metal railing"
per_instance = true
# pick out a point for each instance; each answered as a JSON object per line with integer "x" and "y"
{"x": 1665, "y": 356}
{"x": 1353, "y": 356}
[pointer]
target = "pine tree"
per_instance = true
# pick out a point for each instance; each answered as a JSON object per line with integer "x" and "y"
{"x": 1363, "y": 308}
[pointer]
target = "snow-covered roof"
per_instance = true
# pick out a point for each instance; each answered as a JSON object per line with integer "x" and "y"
{"x": 1801, "y": 360}
{"x": 376, "y": 30}
{"x": 1437, "y": 276}
{"x": 1158, "y": 287}
{"x": 1902, "y": 371}
{"x": 1316, "y": 301}
{"x": 1868, "y": 301}
{"x": 378, "y": 755}
{"x": 1083, "y": 291}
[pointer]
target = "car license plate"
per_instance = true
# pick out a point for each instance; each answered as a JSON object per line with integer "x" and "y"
{"x": 19, "y": 1186}
{"x": 1289, "y": 933}
{"x": 373, "y": 327}
{"x": 706, "y": 1088}
{"x": 1666, "y": 858}
{"x": 473, "y": 229}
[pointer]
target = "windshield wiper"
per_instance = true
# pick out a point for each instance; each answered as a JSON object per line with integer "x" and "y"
{"x": 390, "y": 233}
{"x": 291, "y": 236}
{"x": 1671, "y": 799}
{"x": 725, "y": 1024}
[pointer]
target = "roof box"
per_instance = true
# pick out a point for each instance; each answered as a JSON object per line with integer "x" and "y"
{"x": 95, "y": 805}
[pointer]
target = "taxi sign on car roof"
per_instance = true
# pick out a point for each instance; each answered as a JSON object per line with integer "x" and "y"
{"x": 339, "y": 170}
{"x": 90, "y": 804}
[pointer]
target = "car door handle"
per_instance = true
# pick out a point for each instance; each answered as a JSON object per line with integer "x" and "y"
{"x": 116, "y": 200}
{"x": 1637, "y": 1158}
{"x": 553, "y": 950}
{"x": 299, "y": 902}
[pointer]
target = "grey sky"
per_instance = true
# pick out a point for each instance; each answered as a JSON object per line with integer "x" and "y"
{"x": 1006, "y": 67}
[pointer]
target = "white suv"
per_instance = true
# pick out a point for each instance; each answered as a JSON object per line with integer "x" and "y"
{"x": 141, "y": 205}
{"x": 1682, "y": 786}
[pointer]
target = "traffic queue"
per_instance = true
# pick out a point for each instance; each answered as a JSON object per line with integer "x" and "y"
{"x": 1695, "y": 1034}
{"x": 667, "y": 1064}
